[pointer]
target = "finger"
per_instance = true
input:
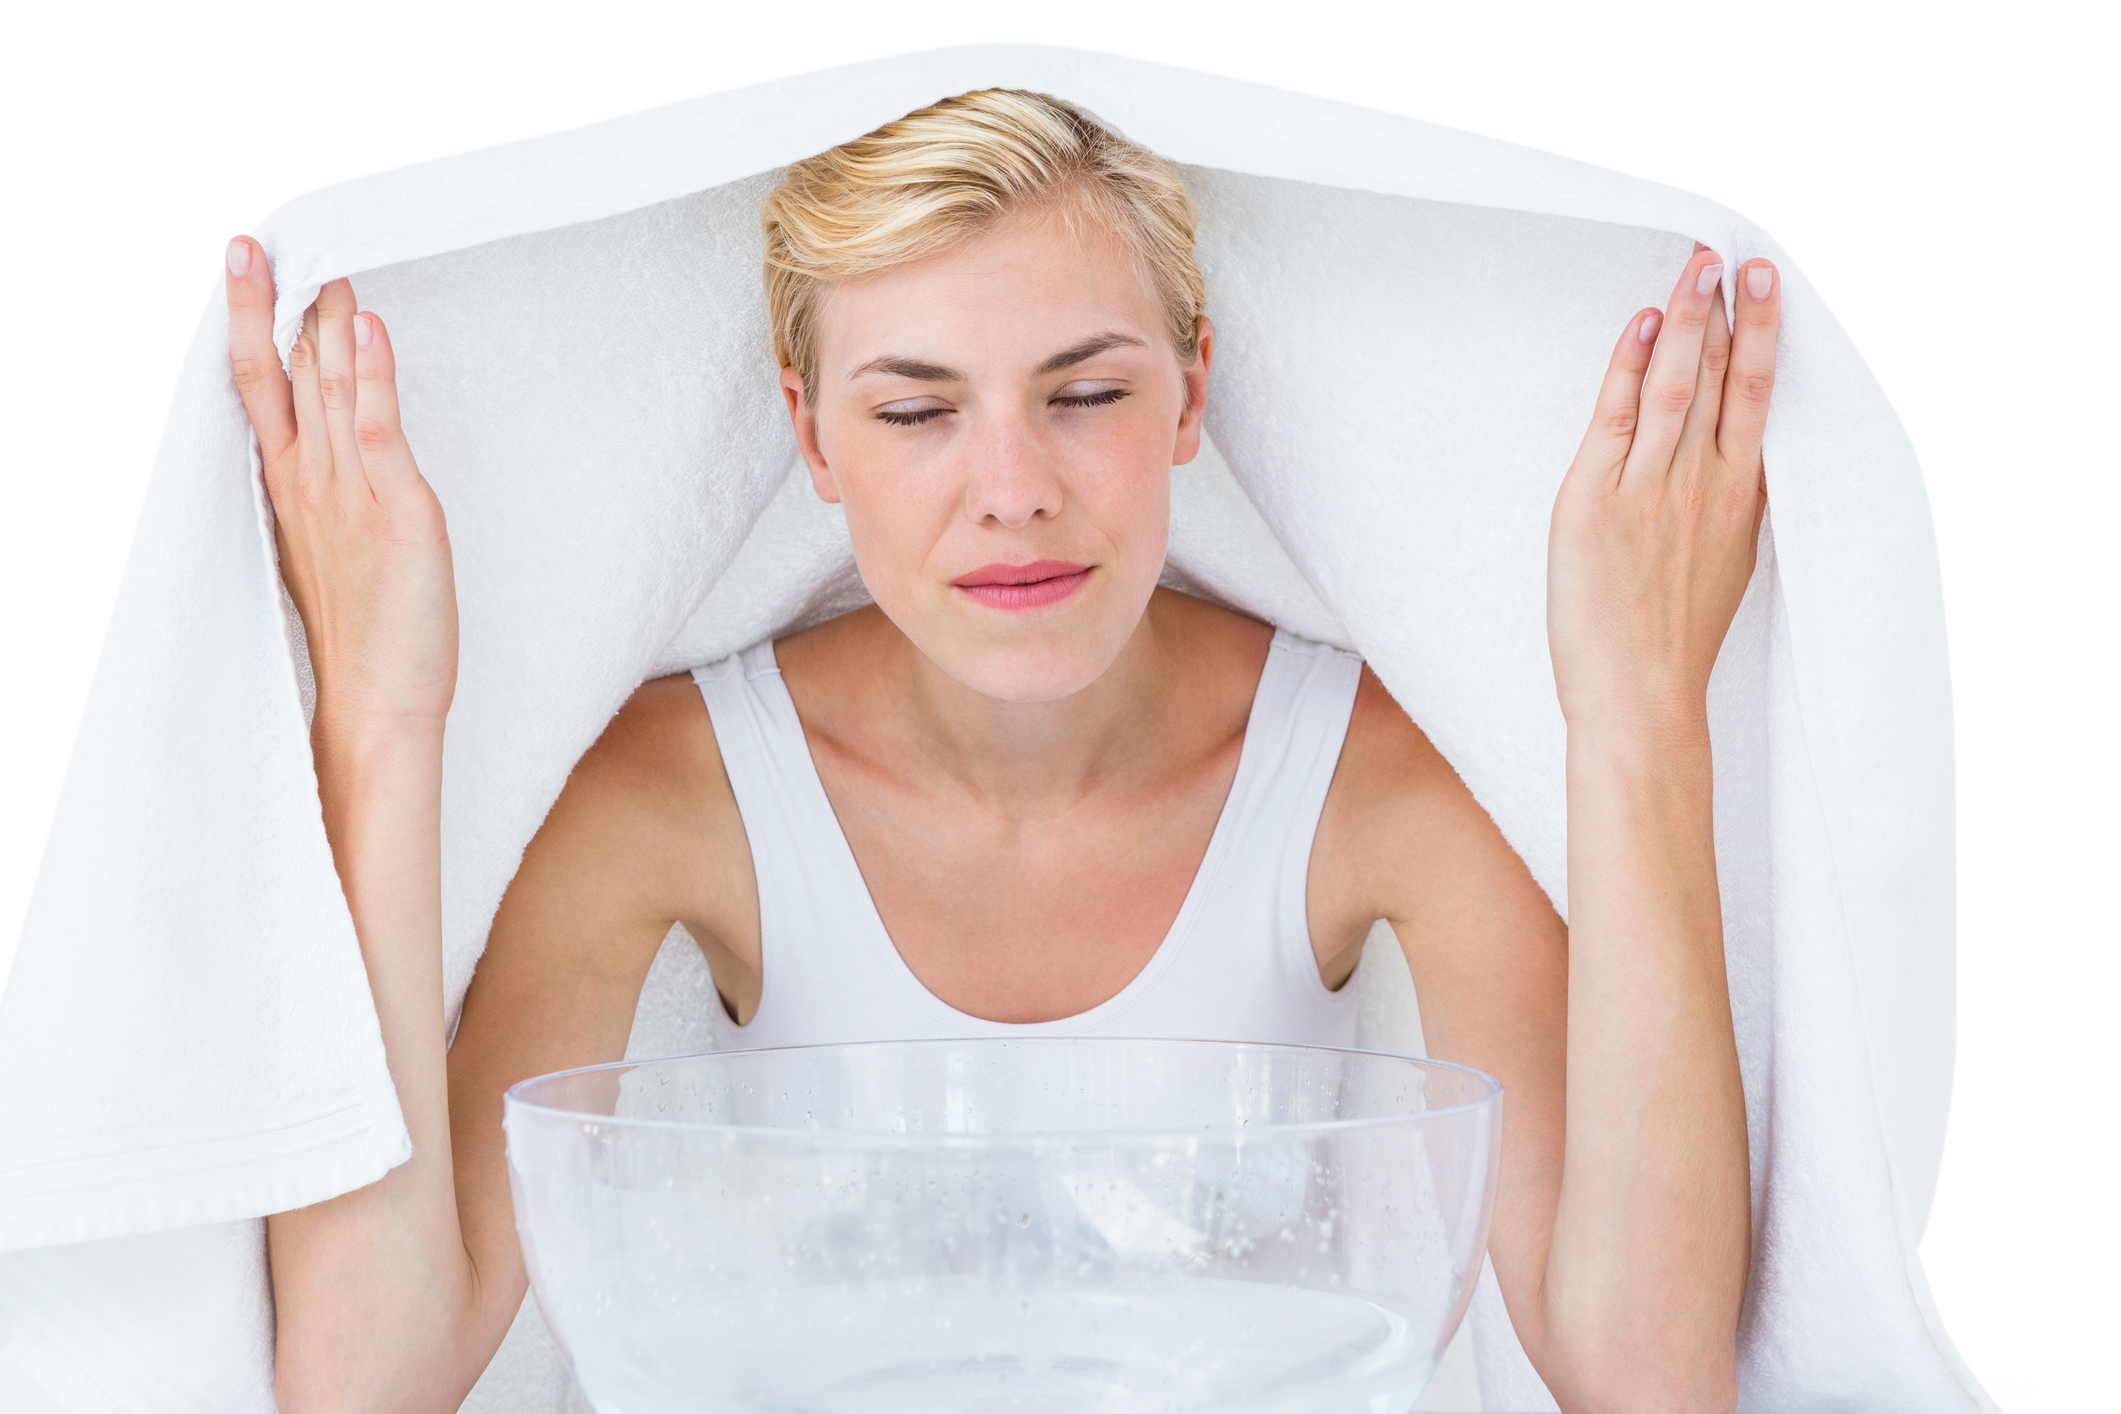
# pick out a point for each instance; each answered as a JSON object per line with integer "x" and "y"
{"x": 1752, "y": 373}
{"x": 1699, "y": 429}
{"x": 384, "y": 453}
{"x": 252, "y": 359}
{"x": 337, "y": 388}
{"x": 1675, "y": 366}
{"x": 313, "y": 466}
{"x": 1613, "y": 421}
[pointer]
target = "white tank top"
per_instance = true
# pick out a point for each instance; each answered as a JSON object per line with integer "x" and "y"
{"x": 1237, "y": 964}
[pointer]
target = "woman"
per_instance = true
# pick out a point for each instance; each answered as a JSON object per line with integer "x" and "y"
{"x": 1029, "y": 788}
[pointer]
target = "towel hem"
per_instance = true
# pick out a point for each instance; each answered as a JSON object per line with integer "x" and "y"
{"x": 177, "y": 1194}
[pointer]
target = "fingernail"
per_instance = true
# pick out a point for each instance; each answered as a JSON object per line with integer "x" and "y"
{"x": 363, "y": 331}
{"x": 1759, "y": 280}
{"x": 1705, "y": 282}
{"x": 1648, "y": 332}
{"x": 239, "y": 258}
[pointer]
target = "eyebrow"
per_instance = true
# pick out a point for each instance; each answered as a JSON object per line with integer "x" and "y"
{"x": 921, "y": 370}
{"x": 902, "y": 367}
{"x": 1088, "y": 349}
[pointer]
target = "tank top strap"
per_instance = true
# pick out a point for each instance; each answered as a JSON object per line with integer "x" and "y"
{"x": 812, "y": 898}
{"x": 761, "y": 741}
{"x": 1299, "y": 723}
{"x": 1244, "y": 966}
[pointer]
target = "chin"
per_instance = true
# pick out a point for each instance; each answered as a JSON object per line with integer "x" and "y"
{"x": 1039, "y": 656}
{"x": 1027, "y": 677}
{"x": 1025, "y": 656}
{"x": 1039, "y": 669}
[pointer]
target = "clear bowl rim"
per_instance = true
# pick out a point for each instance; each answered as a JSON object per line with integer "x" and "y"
{"x": 514, "y": 1101}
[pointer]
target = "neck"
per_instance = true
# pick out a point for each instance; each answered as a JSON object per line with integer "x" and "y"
{"x": 1018, "y": 758}
{"x": 1031, "y": 756}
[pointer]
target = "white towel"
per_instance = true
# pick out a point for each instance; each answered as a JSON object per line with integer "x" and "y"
{"x": 1411, "y": 324}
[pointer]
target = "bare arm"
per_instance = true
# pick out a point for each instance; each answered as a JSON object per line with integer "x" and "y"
{"x": 365, "y": 555}
{"x": 394, "y": 1296}
{"x": 646, "y": 832}
{"x": 1622, "y": 1229}
{"x": 1653, "y": 545}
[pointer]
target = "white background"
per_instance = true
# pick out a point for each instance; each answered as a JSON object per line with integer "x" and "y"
{"x": 1944, "y": 173}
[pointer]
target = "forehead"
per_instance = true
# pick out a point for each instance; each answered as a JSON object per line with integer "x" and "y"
{"x": 1035, "y": 281}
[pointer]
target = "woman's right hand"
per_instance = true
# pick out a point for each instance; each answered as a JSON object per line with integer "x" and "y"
{"x": 363, "y": 547}
{"x": 373, "y": 1290}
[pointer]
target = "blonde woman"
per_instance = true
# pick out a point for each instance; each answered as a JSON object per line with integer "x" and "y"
{"x": 1028, "y": 791}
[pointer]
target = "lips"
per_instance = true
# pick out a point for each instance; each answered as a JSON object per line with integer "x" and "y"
{"x": 1032, "y": 586}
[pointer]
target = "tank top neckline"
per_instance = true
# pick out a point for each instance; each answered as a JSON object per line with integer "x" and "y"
{"x": 1144, "y": 981}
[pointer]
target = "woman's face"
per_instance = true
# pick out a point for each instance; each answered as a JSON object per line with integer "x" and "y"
{"x": 1000, "y": 423}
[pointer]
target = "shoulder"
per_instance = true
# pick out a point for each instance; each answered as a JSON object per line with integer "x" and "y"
{"x": 645, "y": 830}
{"x": 660, "y": 744}
{"x": 1386, "y": 755}
{"x": 1402, "y": 836}
{"x": 1396, "y": 812}
{"x": 649, "y": 802}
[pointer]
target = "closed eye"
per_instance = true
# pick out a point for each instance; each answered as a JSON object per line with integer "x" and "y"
{"x": 1092, "y": 400}
{"x": 914, "y": 418}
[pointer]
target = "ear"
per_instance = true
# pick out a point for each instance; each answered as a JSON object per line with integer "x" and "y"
{"x": 804, "y": 419}
{"x": 1196, "y": 376}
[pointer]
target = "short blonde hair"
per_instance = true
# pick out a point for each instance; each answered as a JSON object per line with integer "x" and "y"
{"x": 926, "y": 182}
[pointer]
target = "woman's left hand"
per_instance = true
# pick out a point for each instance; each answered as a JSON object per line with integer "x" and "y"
{"x": 1657, "y": 522}
{"x": 1639, "y": 1276}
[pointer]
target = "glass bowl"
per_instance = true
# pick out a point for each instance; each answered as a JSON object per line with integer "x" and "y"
{"x": 1032, "y": 1226}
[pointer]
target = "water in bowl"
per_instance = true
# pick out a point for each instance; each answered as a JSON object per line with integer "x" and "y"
{"x": 966, "y": 1346}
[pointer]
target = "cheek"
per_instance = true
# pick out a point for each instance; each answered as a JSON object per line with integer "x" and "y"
{"x": 1122, "y": 482}
{"x": 898, "y": 499}
{"x": 1131, "y": 506}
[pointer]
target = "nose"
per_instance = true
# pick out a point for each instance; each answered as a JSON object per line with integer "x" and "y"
{"x": 1012, "y": 480}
